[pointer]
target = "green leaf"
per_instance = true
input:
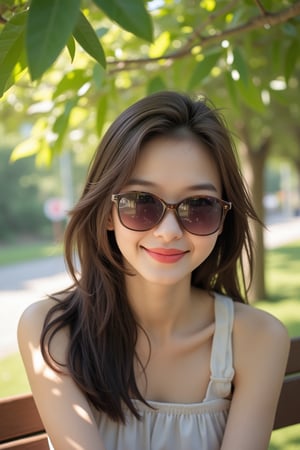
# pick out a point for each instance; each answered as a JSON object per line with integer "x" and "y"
{"x": 71, "y": 82}
{"x": 240, "y": 65}
{"x": 156, "y": 84}
{"x": 71, "y": 48}
{"x": 99, "y": 76}
{"x": 101, "y": 114}
{"x": 203, "y": 69}
{"x": 291, "y": 58}
{"x": 130, "y": 15}
{"x": 61, "y": 124}
{"x": 276, "y": 54}
{"x": 26, "y": 148}
{"x": 18, "y": 71}
{"x": 44, "y": 156}
{"x": 251, "y": 96}
{"x": 160, "y": 45}
{"x": 290, "y": 30}
{"x": 50, "y": 24}
{"x": 88, "y": 39}
{"x": 11, "y": 47}
{"x": 231, "y": 88}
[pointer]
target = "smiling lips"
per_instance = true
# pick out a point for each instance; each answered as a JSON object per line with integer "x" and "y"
{"x": 165, "y": 255}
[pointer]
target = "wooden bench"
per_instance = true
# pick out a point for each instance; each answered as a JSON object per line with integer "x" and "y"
{"x": 288, "y": 409}
{"x": 21, "y": 427}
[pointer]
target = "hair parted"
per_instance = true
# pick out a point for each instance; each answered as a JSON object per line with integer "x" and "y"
{"x": 103, "y": 329}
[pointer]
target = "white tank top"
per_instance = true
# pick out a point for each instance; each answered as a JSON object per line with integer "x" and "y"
{"x": 179, "y": 426}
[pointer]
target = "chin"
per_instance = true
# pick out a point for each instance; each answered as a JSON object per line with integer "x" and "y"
{"x": 165, "y": 279}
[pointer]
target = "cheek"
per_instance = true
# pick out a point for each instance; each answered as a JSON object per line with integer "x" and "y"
{"x": 125, "y": 238}
{"x": 206, "y": 245}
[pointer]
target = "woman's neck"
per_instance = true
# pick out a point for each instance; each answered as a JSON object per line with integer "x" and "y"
{"x": 162, "y": 310}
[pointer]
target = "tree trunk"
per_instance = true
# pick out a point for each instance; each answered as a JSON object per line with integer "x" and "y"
{"x": 253, "y": 170}
{"x": 257, "y": 160}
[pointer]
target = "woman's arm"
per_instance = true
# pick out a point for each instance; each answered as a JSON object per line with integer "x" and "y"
{"x": 260, "y": 349}
{"x": 64, "y": 410}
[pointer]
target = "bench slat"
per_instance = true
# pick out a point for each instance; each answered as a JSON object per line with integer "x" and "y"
{"x": 22, "y": 429}
{"x": 39, "y": 442}
{"x": 288, "y": 410}
{"x": 19, "y": 417}
{"x": 293, "y": 364}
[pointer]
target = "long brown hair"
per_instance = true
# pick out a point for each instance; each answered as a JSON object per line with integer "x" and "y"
{"x": 102, "y": 327}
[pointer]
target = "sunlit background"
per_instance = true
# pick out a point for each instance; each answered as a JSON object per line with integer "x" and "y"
{"x": 50, "y": 128}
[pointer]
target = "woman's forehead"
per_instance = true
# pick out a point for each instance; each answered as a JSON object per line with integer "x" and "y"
{"x": 181, "y": 163}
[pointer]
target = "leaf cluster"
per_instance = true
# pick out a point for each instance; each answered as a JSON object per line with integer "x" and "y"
{"x": 87, "y": 60}
{"x": 35, "y": 33}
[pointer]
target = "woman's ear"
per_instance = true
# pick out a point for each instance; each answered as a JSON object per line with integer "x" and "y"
{"x": 110, "y": 223}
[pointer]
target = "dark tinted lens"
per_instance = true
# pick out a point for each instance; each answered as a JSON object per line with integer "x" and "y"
{"x": 200, "y": 215}
{"x": 139, "y": 211}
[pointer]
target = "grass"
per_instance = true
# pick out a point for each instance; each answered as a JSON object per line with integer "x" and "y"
{"x": 13, "y": 379}
{"x": 283, "y": 286}
{"x": 286, "y": 439}
{"x": 27, "y": 251}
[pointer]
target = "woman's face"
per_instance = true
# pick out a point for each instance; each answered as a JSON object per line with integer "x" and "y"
{"x": 172, "y": 169}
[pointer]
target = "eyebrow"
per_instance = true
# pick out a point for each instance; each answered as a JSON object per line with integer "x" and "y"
{"x": 195, "y": 187}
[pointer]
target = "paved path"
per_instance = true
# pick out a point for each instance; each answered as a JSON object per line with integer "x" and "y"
{"x": 22, "y": 284}
{"x": 280, "y": 233}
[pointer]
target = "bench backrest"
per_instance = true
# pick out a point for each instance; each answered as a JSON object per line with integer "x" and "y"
{"x": 21, "y": 427}
{"x": 288, "y": 410}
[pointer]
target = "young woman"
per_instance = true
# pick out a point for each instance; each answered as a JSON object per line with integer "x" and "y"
{"x": 153, "y": 347}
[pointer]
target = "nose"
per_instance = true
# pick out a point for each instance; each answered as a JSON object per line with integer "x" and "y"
{"x": 169, "y": 228}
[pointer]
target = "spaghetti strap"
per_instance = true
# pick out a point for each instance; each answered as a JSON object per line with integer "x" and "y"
{"x": 221, "y": 364}
{"x": 190, "y": 426}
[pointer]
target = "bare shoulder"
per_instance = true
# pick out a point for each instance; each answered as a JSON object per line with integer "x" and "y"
{"x": 33, "y": 317}
{"x": 63, "y": 407}
{"x": 259, "y": 336}
{"x": 30, "y": 328}
{"x": 260, "y": 351}
{"x": 258, "y": 324}
{"x": 37, "y": 310}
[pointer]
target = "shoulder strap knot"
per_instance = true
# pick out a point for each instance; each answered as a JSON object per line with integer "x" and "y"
{"x": 221, "y": 364}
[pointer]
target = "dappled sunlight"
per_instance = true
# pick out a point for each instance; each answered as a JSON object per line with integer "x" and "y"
{"x": 56, "y": 392}
{"x": 70, "y": 441}
{"x": 74, "y": 444}
{"x": 82, "y": 413}
{"x": 40, "y": 367}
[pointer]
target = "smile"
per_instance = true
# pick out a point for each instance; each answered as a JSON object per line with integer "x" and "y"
{"x": 165, "y": 255}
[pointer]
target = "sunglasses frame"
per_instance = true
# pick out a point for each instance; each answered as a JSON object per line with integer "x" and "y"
{"x": 226, "y": 206}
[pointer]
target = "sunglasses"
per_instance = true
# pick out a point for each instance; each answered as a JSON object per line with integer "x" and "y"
{"x": 200, "y": 215}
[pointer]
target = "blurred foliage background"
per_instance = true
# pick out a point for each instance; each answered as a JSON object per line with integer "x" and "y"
{"x": 68, "y": 68}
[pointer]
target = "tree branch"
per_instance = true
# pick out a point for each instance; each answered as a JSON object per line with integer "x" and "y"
{"x": 261, "y": 7}
{"x": 268, "y": 19}
{"x": 211, "y": 18}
